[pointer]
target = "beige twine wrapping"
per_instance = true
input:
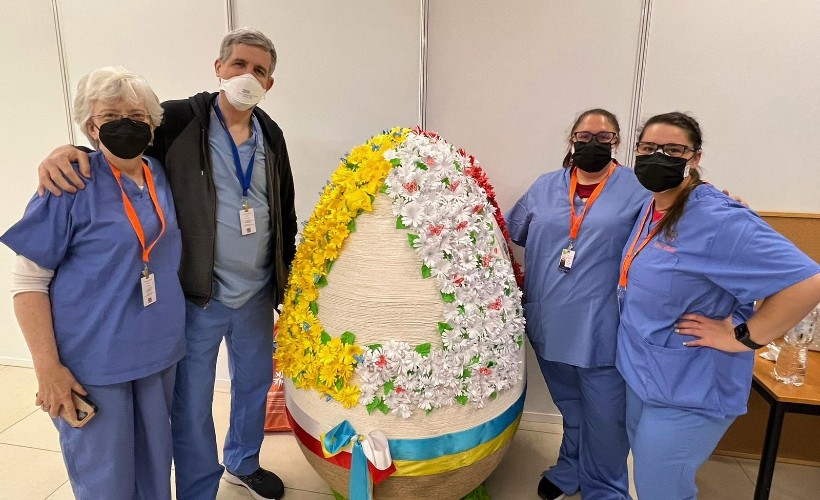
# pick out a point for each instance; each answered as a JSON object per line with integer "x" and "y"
{"x": 375, "y": 290}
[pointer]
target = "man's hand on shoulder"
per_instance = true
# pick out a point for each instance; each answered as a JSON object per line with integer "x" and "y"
{"x": 56, "y": 173}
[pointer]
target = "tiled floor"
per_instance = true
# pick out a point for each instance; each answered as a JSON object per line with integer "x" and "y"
{"x": 31, "y": 466}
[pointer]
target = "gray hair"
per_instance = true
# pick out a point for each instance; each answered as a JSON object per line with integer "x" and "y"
{"x": 247, "y": 36}
{"x": 113, "y": 84}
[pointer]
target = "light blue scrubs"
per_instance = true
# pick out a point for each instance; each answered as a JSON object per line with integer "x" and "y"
{"x": 124, "y": 354}
{"x": 241, "y": 312}
{"x": 723, "y": 258}
{"x": 572, "y": 321}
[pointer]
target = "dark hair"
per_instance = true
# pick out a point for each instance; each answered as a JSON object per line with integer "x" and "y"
{"x": 689, "y": 125}
{"x": 597, "y": 111}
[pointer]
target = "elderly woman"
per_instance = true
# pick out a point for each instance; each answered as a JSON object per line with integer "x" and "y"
{"x": 97, "y": 297}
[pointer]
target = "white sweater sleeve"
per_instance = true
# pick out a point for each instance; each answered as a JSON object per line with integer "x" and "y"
{"x": 27, "y": 276}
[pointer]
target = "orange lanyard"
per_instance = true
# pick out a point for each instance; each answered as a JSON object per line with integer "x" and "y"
{"x": 575, "y": 221}
{"x": 632, "y": 253}
{"x": 132, "y": 214}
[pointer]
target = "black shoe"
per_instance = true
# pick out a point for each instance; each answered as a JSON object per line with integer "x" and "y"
{"x": 263, "y": 484}
{"x": 549, "y": 491}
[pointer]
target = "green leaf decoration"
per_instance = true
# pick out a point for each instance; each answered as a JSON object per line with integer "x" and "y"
{"x": 423, "y": 349}
{"x": 520, "y": 341}
{"x": 494, "y": 395}
{"x": 372, "y": 198}
{"x": 458, "y": 165}
{"x": 322, "y": 282}
{"x": 352, "y": 166}
{"x": 348, "y": 338}
{"x": 446, "y": 181}
{"x": 383, "y": 189}
{"x": 339, "y": 383}
{"x": 329, "y": 266}
{"x": 474, "y": 360}
{"x": 375, "y": 405}
{"x": 374, "y": 347}
{"x": 461, "y": 309}
{"x": 421, "y": 166}
{"x": 466, "y": 373}
{"x": 448, "y": 297}
{"x": 314, "y": 308}
{"x": 325, "y": 337}
{"x": 388, "y": 386}
{"x": 399, "y": 223}
{"x": 383, "y": 408}
{"x": 425, "y": 271}
{"x": 339, "y": 496}
{"x": 480, "y": 493}
{"x": 428, "y": 411}
{"x": 412, "y": 239}
{"x": 351, "y": 226}
{"x": 443, "y": 327}
{"x": 473, "y": 237}
{"x": 462, "y": 400}
{"x": 395, "y": 162}
{"x": 491, "y": 364}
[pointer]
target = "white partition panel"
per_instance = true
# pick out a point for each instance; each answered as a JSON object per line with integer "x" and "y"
{"x": 34, "y": 120}
{"x": 507, "y": 79}
{"x": 172, "y": 44}
{"x": 749, "y": 73}
{"x": 346, "y": 71}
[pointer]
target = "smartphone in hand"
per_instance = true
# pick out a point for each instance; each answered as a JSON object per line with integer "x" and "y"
{"x": 85, "y": 410}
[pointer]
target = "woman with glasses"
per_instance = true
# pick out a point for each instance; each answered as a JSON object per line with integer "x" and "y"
{"x": 694, "y": 263}
{"x": 573, "y": 224}
{"x": 97, "y": 297}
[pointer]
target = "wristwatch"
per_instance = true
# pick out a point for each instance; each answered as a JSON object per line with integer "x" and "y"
{"x": 742, "y": 336}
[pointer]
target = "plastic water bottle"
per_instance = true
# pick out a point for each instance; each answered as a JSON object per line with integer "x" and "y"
{"x": 791, "y": 362}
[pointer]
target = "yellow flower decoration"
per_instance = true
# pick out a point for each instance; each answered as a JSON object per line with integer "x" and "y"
{"x": 305, "y": 351}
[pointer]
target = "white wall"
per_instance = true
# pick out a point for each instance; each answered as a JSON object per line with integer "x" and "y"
{"x": 505, "y": 81}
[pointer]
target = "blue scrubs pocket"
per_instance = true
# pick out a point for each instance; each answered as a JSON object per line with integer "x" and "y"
{"x": 681, "y": 377}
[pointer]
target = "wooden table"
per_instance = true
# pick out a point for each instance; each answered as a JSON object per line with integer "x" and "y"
{"x": 782, "y": 398}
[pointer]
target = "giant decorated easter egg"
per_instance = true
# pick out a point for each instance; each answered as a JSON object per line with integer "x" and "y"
{"x": 401, "y": 337}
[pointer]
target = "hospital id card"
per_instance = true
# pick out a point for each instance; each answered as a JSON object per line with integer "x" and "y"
{"x": 567, "y": 257}
{"x": 149, "y": 289}
{"x": 247, "y": 221}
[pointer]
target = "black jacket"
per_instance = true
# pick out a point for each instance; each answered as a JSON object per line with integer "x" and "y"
{"x": 181, "y": 144}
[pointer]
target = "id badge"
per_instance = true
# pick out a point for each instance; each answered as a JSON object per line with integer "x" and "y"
{"x": 567, "y": 257}
{"x": 247, "y": 221}
{"x": 149, "y": 289}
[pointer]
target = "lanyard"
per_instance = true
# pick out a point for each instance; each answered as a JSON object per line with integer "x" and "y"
{"x": 132, "y": 214}
{"x": 576, "y": 221}
{"x": 632, "y": 253}
{"x": 244, "y": 179}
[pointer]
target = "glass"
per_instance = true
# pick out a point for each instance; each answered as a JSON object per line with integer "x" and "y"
{"x": 110, "y": 117}
{"x": 603, "y": 137}
{"x": 674, "y": 150}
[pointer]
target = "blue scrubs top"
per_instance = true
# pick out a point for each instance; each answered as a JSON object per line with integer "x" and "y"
{"x": 723, "y": 258}
{"x": 573, "y": 317}
{"x": 242, "y": 263}
{"x": 104, "y": 334}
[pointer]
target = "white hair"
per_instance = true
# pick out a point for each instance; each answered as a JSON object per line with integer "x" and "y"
{"x": 113, "y": 84}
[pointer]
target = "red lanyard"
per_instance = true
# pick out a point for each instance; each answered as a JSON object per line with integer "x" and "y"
{"x": 632, "y": 253}
{"x": 132, "y": 214}
{"x": 575, "y": 221}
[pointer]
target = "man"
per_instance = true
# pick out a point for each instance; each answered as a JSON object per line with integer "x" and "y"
{"x": 228, "y": 168}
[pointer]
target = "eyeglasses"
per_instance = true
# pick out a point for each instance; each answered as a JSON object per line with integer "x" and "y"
{"x": 603, "y": 137}
{"x": 110, "y": 117}
{"x": 674, "y": 150}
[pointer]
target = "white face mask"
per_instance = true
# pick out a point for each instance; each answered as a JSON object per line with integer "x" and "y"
{"x": 243, "y": 92}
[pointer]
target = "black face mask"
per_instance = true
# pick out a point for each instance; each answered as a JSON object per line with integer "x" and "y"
{"x": 125, "y": 138}
{"x": 658, "y": 172}
{"x": 592, "y": 156}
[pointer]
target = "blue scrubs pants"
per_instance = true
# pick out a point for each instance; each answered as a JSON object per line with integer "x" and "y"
{"x": 248, "y": 333}
{"x": 593, "y": 451}
{"x": 668, "y": 447}
{"x": 125, "y": 451}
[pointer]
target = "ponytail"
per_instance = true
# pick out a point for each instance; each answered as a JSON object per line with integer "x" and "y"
{"x": 669, "y": 223}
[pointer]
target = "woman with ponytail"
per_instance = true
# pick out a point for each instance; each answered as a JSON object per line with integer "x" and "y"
{"x": 694, "y": 264}
{"x": 573, "y": 223}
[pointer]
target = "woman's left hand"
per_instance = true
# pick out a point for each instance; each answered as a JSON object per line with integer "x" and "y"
{"x": 714, "y": 333}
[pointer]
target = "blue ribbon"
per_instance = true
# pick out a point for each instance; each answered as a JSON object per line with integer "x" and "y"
{"x": 244, "y": 179}
{"x": 335, "y": 441}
